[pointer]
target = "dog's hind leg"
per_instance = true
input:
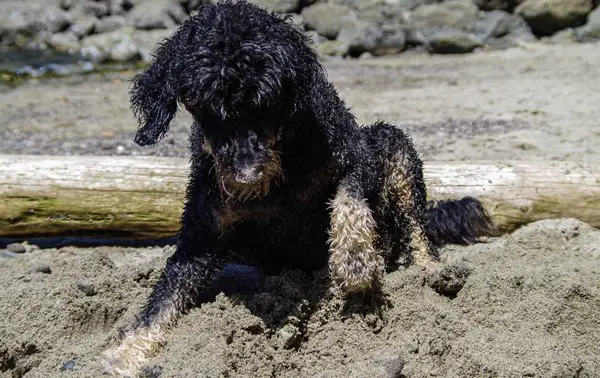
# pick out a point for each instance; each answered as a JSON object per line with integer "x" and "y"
{"x": 179, "y": 287}
{"x": 353, "y": 260}
{"x": 404, "y": 195}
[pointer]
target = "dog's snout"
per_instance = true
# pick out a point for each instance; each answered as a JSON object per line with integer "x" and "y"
{"x": 249, "y": 174}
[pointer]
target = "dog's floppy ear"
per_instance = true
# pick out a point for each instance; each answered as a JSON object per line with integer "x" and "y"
{"x": 153, "y": 99}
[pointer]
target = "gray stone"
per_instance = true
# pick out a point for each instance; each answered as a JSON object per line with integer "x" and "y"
{"x": 16, "y": 248}
{"x": 563, "y": 37}
{"x": 39, "y": 268}
{"x": 279, "y": 6}
{"x": 296, "y": 20}
{"x": 86, "y": 288}
{"x": 65, "y": 42}
{"x": 83, "y": 26}
{"x": 156, "y": 14}
{"x": 380, "y": 11}
{"x": 393, "y": 4}
{"x": 89, "y": 8}
{"x": 456, "y": 14}
{"x": 314, "y": 37}
{"x": 365, "y": 36}
{"x": 591, "y": 30}
{"x": 22, "y": 21}
{"x": 332, "y": 48}
{"x": 118, "y": 45}
{"x": 502, "y": 28}
{"x": 546, "y": 17}
{"x": 118, "y": 7}
{"x": 288, "y": 335}
{"x": 110, "y": 23}
{"x": 67, "y": 4}
{"x": 452, "y": 42}
{"x": 328, "y": 19}
{"x": 360, "y": 36}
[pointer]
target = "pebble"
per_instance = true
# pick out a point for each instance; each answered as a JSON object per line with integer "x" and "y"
{"x": 7, "y": 253}
{"x": 288, "y": 336}
{"x": 68, "y": 365}
{"x": 40, "y": 268}
{"x": 16, "y": 248}
{"x": 87, "y": 289}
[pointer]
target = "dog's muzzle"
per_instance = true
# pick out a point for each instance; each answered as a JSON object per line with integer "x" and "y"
{"x": 249, "y": 175}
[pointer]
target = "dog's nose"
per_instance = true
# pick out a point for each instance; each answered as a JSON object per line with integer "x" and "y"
{"x": 249, "y": 175}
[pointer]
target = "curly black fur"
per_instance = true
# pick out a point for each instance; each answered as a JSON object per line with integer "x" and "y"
{"x": 271, "y": 144}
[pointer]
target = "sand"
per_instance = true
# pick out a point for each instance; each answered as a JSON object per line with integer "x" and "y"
{"x": 530, "y": 308}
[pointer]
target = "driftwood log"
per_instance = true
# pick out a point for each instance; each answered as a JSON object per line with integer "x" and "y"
{"x": 142, "y": 197}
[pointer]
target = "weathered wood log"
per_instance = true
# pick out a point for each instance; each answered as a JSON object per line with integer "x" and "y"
{"x": 142, "y": 197}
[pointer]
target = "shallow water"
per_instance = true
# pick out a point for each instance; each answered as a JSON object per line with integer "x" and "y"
{"x": 32, "y": 63}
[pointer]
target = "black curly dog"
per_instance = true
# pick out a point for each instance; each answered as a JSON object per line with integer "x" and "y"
{"x": 281, "y": 174}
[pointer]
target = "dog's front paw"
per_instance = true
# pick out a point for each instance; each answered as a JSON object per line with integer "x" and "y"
{"x": 127, "y": 359}
{"x": 355, "y": 270}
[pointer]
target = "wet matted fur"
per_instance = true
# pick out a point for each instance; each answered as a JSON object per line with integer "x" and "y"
{"x": 281, "y": 174}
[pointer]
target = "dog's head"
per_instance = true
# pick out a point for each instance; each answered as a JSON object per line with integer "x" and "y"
{"x": 246, "y": 157}
{"x": 240, "y": 72}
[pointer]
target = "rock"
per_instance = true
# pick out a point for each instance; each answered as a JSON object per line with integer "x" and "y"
{"x": 591, "y": 30}
{"x": 333, "y": 48}
{"x": 502, "y": 29}
{"x": 380, "y": 11}
{"x": 296, "y": 20}
{"x": 116, "y": 46}
{"x": 9, "y": 254}
{"x": 89, "y": 8}
{"x": 314, "y": 38}
{"x": 67, "y": 4}
{"x": 450, "y": 280}
{"x": 328, "y": 19}
{"x": 457, "y": 14}
{"x": 25, "y": 21}
{"x": 39, "y": 268}
{"x": 546, "y": 17}
{"x": 365, "y": 36}
{"x": 360, "y": 37}
{"x": 86, "y": 288}
{"x": 64, "y": 42}
{"x": 118, "y": 7}
{"x": 156, "y": 14}
{"x": 288, "y": 336}
{"x": 68, "y": 365}
{"x": 110, "y": 23}
{"x": 401, "y": 5}
{"x": 452, "y": 42}
{"x": 16, "y": 248}
{"x": 54, "y": 19}
{"x": 278, "y": 6}
{"x": 83, "y": 26}
{"x": 563, "y": 37}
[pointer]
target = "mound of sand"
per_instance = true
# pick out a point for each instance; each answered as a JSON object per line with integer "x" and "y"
{"x": 531, "y": 308}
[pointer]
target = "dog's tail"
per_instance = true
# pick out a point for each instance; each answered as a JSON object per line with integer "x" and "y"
{"x": 458, "y": 221}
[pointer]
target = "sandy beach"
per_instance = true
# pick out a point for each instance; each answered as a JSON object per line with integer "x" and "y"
{"x": 530, "y": 308}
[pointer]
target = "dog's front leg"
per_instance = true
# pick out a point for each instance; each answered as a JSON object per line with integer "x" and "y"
{"x": 187, "y": 274}
{"x": 353, "y": 260}
{"x": 183, "y": 279}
